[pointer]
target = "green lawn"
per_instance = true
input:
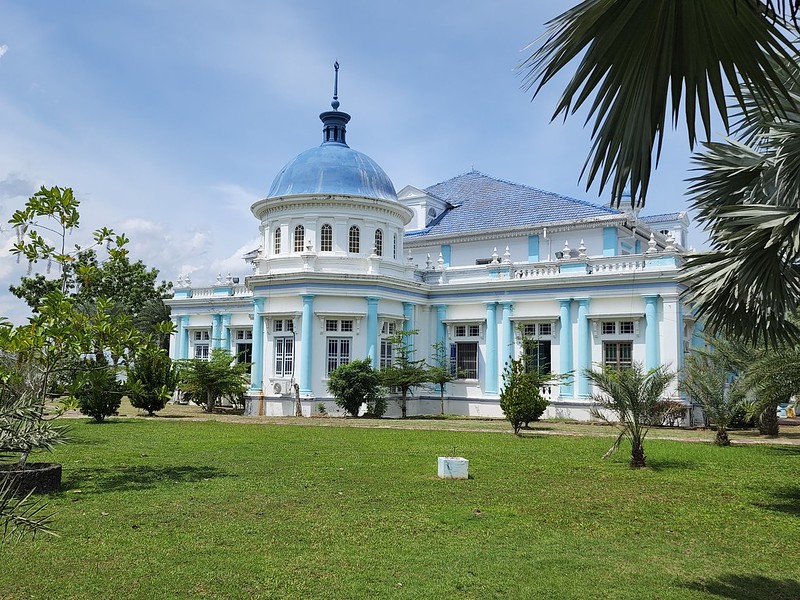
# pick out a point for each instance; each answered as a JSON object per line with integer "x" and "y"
{"x": 176, "y": 509}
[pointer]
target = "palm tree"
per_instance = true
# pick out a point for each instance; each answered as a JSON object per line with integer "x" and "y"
{"x": 206, "y": 381}
{"x": 633, "y": 398}
{"x": 641, "y": 56}
{"x": 715, "y": 382}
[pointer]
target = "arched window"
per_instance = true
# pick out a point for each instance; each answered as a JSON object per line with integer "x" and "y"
{"x": 278, "y": 240}
{"x": 299, "y": 238}
{"x": 379, "y": 242}
{"x": 354, "y": 240}
{"x": 326, "y": 238}
{"x": 394, "y": 246}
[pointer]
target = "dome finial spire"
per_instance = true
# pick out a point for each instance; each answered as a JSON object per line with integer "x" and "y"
{"x": 335, "y": 103}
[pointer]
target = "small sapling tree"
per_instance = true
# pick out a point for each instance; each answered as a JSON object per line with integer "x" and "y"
{"x": 96, "y": 390}
{"x": 520, "y": 400}
{"x": 355, "y": 383}
{"x": 441, "y": 372}
{"x": 403, "y": 373}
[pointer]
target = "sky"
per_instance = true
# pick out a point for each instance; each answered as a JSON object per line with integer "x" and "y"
{"x": 169, "y": 119}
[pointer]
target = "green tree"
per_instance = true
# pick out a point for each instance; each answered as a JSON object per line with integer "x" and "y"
{"x": 714, "y": 381}
{"x": 151, "y": 380}
{"x": 354, "y": 384}
{"x": 633, "y": 398}
{"x": 637, "y": 57}
{"x": 441, "y": 372}
{"x": 521, "y": 399}
{"x": 404, "y": 373}
{"x": 207, "y": 381}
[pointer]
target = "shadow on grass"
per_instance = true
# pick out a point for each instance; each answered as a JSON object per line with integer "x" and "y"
{"x": 785, "y": 500}
{"x": 748, "y": 587}
{"x": 784, "y": 450}
{"x": 129, "y": 478}
{"x": 662, "y": 464}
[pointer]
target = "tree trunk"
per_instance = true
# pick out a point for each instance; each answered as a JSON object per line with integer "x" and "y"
{"x": 637, "y": 454}
{"x": 722, "y": 438}
{"x": 209, "y": 402}
{"x": 768, "y": 423}
{"x": 403, "y": 403}
{"x": 298, "y": 407}
{"x": 441, "y": 397}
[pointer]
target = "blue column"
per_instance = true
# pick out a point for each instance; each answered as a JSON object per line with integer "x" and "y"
{"x": 372, "y": 330}
{"x": 565, "y": 346}
{"x": 441, "y": 337}
{"x": 508, "y": 333}
{"x": 533, "y": 248}
{"x": 610, "y": 241}
{"x": 184, "y": 333}
{"x": 446, "y": 254}
{"x": 216, "y": 331}
{"x": 257, "y": 369}
{"x": 584, "y": 347}
{"x": 651, "y": 339}
{"x": 226, "y": 332}
{"x": 491, "y": 386}
{"x": 408, "y": 321}
{"x": 306, "y": 356}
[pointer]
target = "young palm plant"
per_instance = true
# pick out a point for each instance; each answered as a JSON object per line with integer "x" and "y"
{"x": 633, "y": 397}
{"x": 716, "y": 384}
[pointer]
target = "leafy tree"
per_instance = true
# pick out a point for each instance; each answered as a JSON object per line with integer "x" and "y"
{"x": 151, "y": 380}
{"x": 773, "y": 375}
{"x": 638, "y": 55}
{"x": 440, "y": 373}
{"x": 520, "y": 400}
{"x": 355, "y": 383}
{"x": 634, "y": 398}
{"x": 96, "y": 390}
{"x": 404, "y": 373}
{"x": 206, "y": 381}
{"x": 715, "y": 383}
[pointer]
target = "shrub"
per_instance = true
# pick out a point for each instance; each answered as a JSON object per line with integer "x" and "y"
{"x": 354, "y": 384}
{"x": 521, "y": 401}
{"x": 96, "y": 390}
{"x": 151, "y": 380}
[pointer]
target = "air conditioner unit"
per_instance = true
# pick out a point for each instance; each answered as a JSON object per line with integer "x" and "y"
{"x": 278, "y": 388}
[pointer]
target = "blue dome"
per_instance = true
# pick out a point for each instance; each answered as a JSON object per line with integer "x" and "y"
{"x": 333, "y": 168}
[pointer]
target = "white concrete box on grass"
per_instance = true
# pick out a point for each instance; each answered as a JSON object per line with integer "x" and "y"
{"x": 453, "y": 467}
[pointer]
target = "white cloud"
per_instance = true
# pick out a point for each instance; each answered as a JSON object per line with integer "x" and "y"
{"x": 3, "y": 50}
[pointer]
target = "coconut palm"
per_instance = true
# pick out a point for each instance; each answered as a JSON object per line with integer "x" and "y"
{"x": 641, "y": 56}
{"x": 632, "y": 399}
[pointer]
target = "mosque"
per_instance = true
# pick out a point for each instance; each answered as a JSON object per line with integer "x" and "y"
{"x": 473, "y": 264}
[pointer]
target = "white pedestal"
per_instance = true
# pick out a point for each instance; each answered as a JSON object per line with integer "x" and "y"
{"x": 453, "y": 467}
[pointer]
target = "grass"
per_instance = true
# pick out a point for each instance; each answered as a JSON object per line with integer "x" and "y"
{"x": 172, "y": 508}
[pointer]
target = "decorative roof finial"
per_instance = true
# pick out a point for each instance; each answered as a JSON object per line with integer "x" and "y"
{"x": 335, "y": 103}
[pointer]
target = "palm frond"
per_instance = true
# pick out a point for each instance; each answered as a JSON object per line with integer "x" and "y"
{"x": 637, "y": 57}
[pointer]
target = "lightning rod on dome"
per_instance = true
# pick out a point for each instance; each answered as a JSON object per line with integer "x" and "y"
{"x": 335, "y": 103}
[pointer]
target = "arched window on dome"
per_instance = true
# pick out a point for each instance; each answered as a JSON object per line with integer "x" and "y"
{"x": 299, "y": 238}
{"x": 326, "y": 238}
{"x": 394, "y": 246}
{"x": 379, "y": 242}
{"x": 277, "y": 242}
{"x": 354, "y": 240}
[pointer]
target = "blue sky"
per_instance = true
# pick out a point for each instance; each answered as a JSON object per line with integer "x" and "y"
{"x": 169, "y": 119}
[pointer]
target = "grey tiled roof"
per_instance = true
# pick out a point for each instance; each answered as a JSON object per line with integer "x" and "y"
{"x": 674, "y": 216}
{"x": 484, "y": 203}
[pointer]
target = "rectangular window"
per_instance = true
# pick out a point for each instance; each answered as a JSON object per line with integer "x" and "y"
{"x": 387, "y": 352}
{"x": 388, "y": 328}
{"x": 347, "y": 325}
{"x": 244, "y": 354}
{"x": 545, "y": 329}
{"x": 277, "y": 325}
{"x": 529, "y": 329}
{"x": 626, "y": 327}
{"x": 244, "y": 334}
{"x": 201, "y": 351}
{"x": 338, "y": 352}
{"x": 618, "y": 354}
{"x": 289, "y": 324}
{"x": 284, "y": 356}
{"x": 467, "y": 360}
{"x": 460, "y": 331}
{"x": 202, "y": 336}
{"x": 609, "y": 327}
{"x": 331, "y": 325}
{"x": 474, "y": 330}
{"x": 537, "y": 355}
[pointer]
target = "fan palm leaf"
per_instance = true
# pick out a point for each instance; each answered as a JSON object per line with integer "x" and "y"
{"x": 640, "y": 57}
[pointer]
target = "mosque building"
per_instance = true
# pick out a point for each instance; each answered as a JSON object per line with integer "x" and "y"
{"x": 473, "y": 264}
